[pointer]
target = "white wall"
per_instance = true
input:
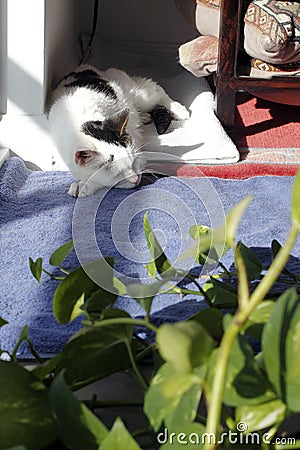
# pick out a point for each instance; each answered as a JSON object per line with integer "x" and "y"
{"x": 43, "y": 40}
{"x": 61, "y": 39}
{"x": 137, "y": 20}
{"x": 41, "y": 47}
{"x": 25, "y": 56}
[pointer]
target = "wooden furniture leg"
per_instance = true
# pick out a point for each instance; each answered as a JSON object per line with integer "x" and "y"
{"x": 228, "y": 81}
{"x": 225, "y": 94}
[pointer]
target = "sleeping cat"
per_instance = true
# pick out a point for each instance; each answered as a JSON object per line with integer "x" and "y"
{"x": 96, "y": 121}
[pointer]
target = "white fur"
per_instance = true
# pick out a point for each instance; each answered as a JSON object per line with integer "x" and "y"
{"x": 74, "y": 106}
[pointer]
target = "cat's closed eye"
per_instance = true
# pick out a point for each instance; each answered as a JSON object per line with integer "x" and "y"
{"x": 83, "y": 156}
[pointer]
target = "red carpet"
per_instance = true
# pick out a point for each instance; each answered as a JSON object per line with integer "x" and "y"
{"x": 268, "y": 137}
{"x": 267, "y": 125}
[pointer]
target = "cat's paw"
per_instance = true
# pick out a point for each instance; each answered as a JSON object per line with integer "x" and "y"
{"x": 179, "y": 112}
{"x": 82, "y": 189}
{"x": 74, "y": 189}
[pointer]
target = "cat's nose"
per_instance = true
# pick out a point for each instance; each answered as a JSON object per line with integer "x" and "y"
{"x": 134, "y": 179}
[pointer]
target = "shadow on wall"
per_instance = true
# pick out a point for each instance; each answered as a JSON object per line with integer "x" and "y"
{"x": 29, "y": 93}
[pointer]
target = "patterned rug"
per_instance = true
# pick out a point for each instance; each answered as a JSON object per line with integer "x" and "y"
{"x": 267, "y": 135}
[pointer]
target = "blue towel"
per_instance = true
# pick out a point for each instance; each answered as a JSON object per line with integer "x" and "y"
{"x": 37, "y": 216}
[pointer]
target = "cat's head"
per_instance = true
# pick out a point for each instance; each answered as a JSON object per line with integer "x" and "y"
{"x": 109, "y": 153}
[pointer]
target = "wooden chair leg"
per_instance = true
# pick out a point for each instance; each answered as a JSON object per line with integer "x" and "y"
{"x": 225, "y": 94}
{"x": 225, "y": 106}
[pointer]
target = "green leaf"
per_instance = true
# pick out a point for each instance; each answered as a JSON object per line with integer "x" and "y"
{"x": 198, "y": 231}
{"x": 25, "y": 414}
{"x": 213, "y": 253}
{"x": 163, "y": 402}
{"x": 296, "y": 201}
{"x": 178, "y": 385}
{"x": 275, "y": 246}
{"x": 41, "y": 371}
{"x": 281, "y": 348}
{"x": 70, "y": 295}
{"x": 125, "y": 332}
{"x": 221, "y": 294}
{"x": 61, "y": 253}
{"x": 36, "y": 268}
{"x": 185, "y": 345}
{"x": 261, "y": 313}
{"x": 233, "y": 219}
{"x": 159, "y": 262}
{"x": 144, "y": 294}
{"x": 119, "y": 438}
{"x": 78, "y": 427}
{"x": 221, "y": 236}
{"x": 261, "y": 416}
{"x": 156, "y": 405}
{"x": 101, "y": 271}
{"x": 251, "y": 261}
{"x": 76, "y": 288}
{"x": 212, "y": 320}
{"x": 186, "y": 410}
{"x": 275, "y": 249}
{"x": 245, "y": 383}
{"x": 120, "y": 287}
{"x": 24, "y": 336}
{"x": 112, "y": 313}
{"x": 97, "y": 302}
{"x": 3, "y": 322}
{"x": 95, "y": 353}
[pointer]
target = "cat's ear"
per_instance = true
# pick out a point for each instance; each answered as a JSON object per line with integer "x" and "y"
{"x": 119, "y": 121}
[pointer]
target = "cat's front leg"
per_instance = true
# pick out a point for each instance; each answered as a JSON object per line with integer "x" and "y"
{"x": 83, "y": 189}
{"x": 178, "y": 111}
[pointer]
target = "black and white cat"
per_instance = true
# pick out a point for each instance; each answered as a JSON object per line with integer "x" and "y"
{"x": 96, "y": 122}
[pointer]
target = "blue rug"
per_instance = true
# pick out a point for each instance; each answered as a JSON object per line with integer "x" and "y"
{"x": 37, "y": 216}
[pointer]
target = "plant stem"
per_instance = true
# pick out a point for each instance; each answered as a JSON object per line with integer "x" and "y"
{"x": 135, "y": 368}
{"x": 227, "y": 272}
{"x": 206, "y": 297}
{"x": 243, "y": 286}
{"x": 65, "y": 271}
{"x": 242, "y": 315}
{"x": 178, "y": 290}
{"x": 215, "y": 406}
{"x": 34, "y": 353}
{"x": 121, "y": 321}
{"x": 52, "y": 276}
{"x": 144, "y": 353}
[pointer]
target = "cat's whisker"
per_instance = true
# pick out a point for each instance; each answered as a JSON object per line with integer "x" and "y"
{"x": 137, "y": 150}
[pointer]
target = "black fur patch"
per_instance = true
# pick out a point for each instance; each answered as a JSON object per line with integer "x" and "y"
{"x": 162, "y": 118}
{"x": 90, "y": 79}
{"x": 100, "y": 130}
